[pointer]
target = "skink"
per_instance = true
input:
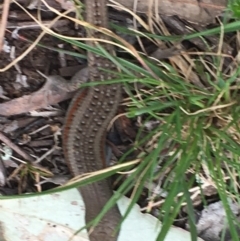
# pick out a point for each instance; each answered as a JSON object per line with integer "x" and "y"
{"x": 87, "y": 119}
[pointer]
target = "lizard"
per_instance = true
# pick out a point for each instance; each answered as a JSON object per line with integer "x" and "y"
{"x": 86, "y": 122}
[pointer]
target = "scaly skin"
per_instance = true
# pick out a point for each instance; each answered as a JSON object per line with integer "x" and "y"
{"x": 88, "y": 117}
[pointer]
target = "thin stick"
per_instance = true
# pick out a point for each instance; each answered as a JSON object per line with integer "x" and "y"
{"x": 9, "y": 143}
{"x": 4, "y": 21}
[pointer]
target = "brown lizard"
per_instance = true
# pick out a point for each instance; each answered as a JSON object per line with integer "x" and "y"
{"x": 88, "y": 117}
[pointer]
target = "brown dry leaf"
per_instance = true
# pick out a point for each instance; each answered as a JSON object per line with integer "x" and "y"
{"x": 201, "y": 12}
{"x": 51, "y": 93}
